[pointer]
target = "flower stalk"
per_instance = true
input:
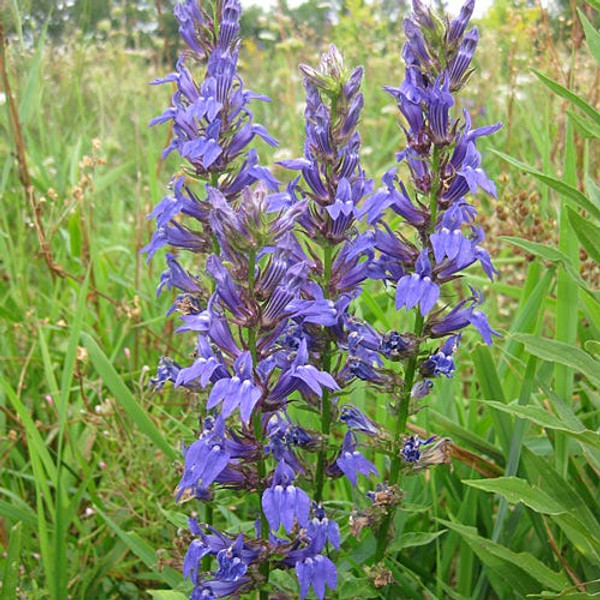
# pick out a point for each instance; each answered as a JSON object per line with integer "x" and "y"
{"x": 275, "y": 322}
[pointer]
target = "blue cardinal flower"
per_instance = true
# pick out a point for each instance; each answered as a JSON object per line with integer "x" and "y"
{"x": 302, "y": 375}
{"x": 410, "y": 450}
{"x": 283, "y": 503}
{"x": 238, "y": 391}
{"x": 355, "y": 419}
{"x": 317, "y": 571}
{"x": 321, "y": 529}
{"x": 463, "y": 314}
{"x": 351, "y": 462}
{"x": 441, "y": 363}
{"x": 418, "y": 287}
{"x": 205, "y": 459}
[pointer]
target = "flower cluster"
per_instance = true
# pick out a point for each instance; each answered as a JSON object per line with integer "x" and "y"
{"x": 277, "y": 272}
{"x": 445, "y": 167}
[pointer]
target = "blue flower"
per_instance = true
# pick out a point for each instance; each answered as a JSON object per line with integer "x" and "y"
{"x": 421, "y": 389}
{"x": 355, "y": 419}
{"x": 410, "y": 449}
{"x": 322, "y": 530}
{"x": 463, "y": 314}
{"x": 397, "y": 346}
{"x": 317, "y": 571}
{"x": 231, "y": 562}
{"x": 238, "y": 391}
{"x": 351, "y": 462}
{"x": 418, "y": 287}
{"x": 441, "y": 363}
{"x": 168, "y": 370}
{"x": 283, "y": 503}
{"x": 302, "y": 375}
{"x": 205, "y": 459}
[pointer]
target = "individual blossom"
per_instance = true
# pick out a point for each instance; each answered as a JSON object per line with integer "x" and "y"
{"x": 205, "y": 459}
{"x": 351, "y": 462}
{"x": 318, "y": 572}
{"x": 410, "y": 451}
{"x": 441, "y": 362}
{"x": 238, "y": 391}
{"x": 283, "y": 503}
{"x": 322, "y": 530}
{"x": 355, "y": 419}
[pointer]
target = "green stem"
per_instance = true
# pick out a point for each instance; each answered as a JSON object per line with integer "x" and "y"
{"x": 326, "y": 398}
{"x": 409, "y": 374}
{"x": 258, "y": 432}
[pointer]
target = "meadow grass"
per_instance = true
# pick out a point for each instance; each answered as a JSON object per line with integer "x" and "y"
{"x": 87, "y": 451}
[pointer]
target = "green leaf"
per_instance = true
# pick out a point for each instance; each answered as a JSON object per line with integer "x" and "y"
{"x": 579, "y": 524}
{"x": 593, "y": 347}
{"x": 591, "y": 35}
{"x": 563, "y": 92}
{"x": 125, "y": 397}
{"x": 543, "y": 418}
{"x": 564, "y": 354}
{"x": 491, "y": 388}
{"x": 12, "y": 563}
{"x": 414, "y": 538}
{"x": 584, "y": 126}
{"x": 142, "y": 549}
{"x": 556, "y": 256}
{"x": 167, "y": 595}
{"x": 595, "y": 4}
{"x": 558, "y": 185}
{"x": 352, "y": 588}
{"x": 587, "y": 232}
{"x": 522, "y": 571}
{"x": 518, "y": 490}
{"x": 593, "y": 191}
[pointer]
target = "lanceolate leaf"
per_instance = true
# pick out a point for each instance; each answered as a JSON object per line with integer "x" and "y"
{"x": 414, "y": 538}
{"x": 522, "y": 571}
{"x": 124, "y": 397}
{"x": 587, "y": 232}
{"x": 591, "y": 35}
{"x": 564, "y": 354}
{"x": 555, "y": 256}
{"x": 518, "y": 490}
{"x": 558, "y": 185}
{"x": 543, "y": 418}
{"x": 563, "y": 92}
{"x": 586, "y": 127}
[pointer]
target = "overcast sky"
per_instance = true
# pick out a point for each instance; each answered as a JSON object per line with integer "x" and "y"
{"x": 453, "y": 5}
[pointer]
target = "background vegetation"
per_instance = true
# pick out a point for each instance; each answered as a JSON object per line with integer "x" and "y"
{"x": 89, "y": 456}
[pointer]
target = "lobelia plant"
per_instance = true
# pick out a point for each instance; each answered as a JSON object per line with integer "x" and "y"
{"x": 272, "y": 291}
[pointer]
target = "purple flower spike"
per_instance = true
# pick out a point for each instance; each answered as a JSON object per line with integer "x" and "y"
{"x": 317, "y": 571}
{"x": 351, "y": 462}
{"x": 283, "y": 503}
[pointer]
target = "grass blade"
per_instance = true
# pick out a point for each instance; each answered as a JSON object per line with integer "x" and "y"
{"x": 125, "y": 398}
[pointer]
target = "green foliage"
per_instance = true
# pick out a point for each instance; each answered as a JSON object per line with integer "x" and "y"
{"x": 88, "y": 453}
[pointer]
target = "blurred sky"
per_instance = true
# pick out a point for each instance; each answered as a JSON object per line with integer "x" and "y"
{"x": 453, "y": 5}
